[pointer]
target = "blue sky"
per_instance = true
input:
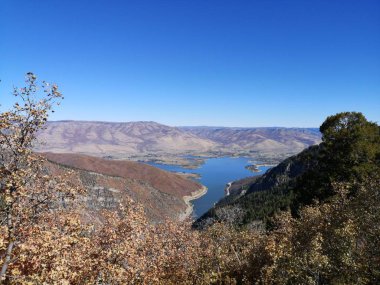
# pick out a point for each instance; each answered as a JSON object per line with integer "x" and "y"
{"x": 222, "y": 63}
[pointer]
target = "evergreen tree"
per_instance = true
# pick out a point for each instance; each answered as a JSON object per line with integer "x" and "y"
{"x": 349, "y": 152}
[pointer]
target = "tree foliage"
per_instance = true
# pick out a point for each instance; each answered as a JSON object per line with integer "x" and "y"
{"x": 27, "y": 193}
{"x": 350, "y": 147}
{"x": 349, "y": 152}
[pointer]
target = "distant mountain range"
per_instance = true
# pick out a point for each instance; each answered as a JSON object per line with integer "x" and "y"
{"x": 271, "y": 139}
{"x": 118, "y": 139}
{"x": 123, "y": 139}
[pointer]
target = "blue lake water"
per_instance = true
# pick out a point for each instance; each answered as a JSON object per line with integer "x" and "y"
{"x": 215, "y": 174}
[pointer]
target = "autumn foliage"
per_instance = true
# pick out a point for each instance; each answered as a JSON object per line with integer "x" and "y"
{"x": 44, "y": 238}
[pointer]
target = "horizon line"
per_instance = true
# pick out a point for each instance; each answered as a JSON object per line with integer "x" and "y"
{"x": 178, "y": 126}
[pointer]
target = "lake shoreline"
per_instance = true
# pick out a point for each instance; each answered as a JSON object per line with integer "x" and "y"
{"x": 215, "y": 173}
{"x": 188, "y": 198}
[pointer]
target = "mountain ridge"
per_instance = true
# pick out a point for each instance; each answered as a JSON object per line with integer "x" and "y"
{"x": 125, "y": 139}
{"x": 108, "y": 138}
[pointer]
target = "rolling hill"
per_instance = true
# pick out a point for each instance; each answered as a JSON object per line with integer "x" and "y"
{"x": 272, "y": 139}
{"x": 118, "y": 139}
{"x": 108, "y": 181}
{"x": 123, "y": 140}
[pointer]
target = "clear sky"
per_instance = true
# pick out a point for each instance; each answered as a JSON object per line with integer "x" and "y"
{"x": 197, "y": 62}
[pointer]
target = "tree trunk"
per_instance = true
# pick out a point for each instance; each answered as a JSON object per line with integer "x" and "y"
{"x": 7, "y": 260}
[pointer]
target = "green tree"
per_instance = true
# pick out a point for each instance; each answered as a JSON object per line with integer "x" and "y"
{"x": 351, "y": 146}
{"x": 349, "y": 152}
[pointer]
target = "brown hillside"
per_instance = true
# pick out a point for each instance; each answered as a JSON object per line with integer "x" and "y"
{"x": 162, "y": 180}
{"x": 117, "y": 139}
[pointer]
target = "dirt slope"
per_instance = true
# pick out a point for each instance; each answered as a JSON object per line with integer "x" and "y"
{"x": 108, "y": 181}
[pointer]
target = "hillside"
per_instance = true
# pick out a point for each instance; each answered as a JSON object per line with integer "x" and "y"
{"x": 278, "y": 140}
{"x": 257, "y": 198}
{"x": 108, "y": 181}
{"x": 349, "y": 154}
{"x": 118, "y": 139}
{"x": 142, "y": 139}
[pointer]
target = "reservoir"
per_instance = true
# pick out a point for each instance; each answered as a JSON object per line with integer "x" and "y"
{"x": 215, "y": 174}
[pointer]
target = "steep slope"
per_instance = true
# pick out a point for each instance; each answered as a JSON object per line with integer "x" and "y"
{"x": 259, "y": 139}
{"x": 347, "y": 157}
{"x": 118, "y": 139}
{"x": 108, "y": 181}
{"x": 257, "y": 198}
